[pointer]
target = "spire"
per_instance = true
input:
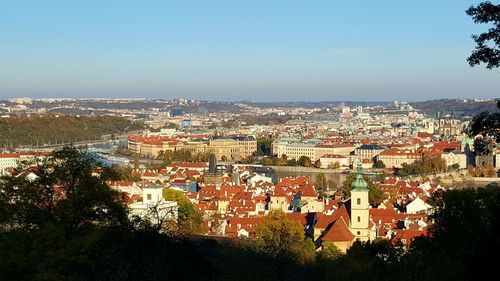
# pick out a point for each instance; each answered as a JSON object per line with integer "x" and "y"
{"x": 359, "y": 184}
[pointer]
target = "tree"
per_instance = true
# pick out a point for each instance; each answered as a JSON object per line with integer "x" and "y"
{"x": 335, "y": 165}
{"x": 63, "y": 192}
{"x": 329, "y": 251}
{"x": 189, "y": 220}
{"x": 375, "y": 195}
{"x": 488, "y": 43}
{"x": 117, "y": 173}
{"x": 484, "y": 128}
{"x": 281, "y": 161}
{"x": 304, "y": 161}
{"x": 137, "y": 159}
{"x": 427, "y": 165}
{"x": 268, "y": 161}
{"x": 317, "y": 163}
{"x": 291, "y": 162}
{"x": 279, "y": 234}
{"x": 379, "y": 164}
{"x": 438, "y": 257}
{"x": 321, "y": 184}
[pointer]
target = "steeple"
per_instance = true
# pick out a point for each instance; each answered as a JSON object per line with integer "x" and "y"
{"x": 360, "y": 208}
{"x": 359, "y": 184}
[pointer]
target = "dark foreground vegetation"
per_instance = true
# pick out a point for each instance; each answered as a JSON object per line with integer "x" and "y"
{"x": 66, "y": 224}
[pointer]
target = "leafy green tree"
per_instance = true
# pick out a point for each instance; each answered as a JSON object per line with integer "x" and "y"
{"x": 281, "y": 161}
{"x": 63, "y": 191}
{"x": 425, "y": 166}
{"x": 291, "y": 162}
{"x": 117, "y": 173}
{"x": 486, "y": 125}
{"x": 189, "y": 220}
{"x": 488, "y": 43}
{"x": 279, "y": 234}
{"x": 304, "y": 161}
{"x": 268, "y": 161}
{"x": 436, "y": 257}
{"x": 329, "y": 252}
{"x": 375, "y": 195}
{"x": 379, "y": 164}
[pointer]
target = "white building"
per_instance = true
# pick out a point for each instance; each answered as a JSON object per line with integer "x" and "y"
{"x": 154, "y": 207}
{"x": 455, "y": 158}
{"x": 12, "y": 160}
{"x": 417, "y": 206}
{"x": 329, "y": 160}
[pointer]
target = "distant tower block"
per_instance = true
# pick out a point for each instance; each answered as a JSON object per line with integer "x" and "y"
{"x": 212, "y": 164}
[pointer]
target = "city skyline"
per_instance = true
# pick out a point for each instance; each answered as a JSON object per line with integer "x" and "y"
{"x": 280, "y": 51}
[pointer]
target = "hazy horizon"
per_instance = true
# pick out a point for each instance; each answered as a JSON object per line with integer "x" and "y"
{"x": 228, "y": 51}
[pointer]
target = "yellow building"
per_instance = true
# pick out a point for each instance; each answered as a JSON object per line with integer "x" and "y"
{"x": 360, "y": 206}
{"x": 231, "y": 148}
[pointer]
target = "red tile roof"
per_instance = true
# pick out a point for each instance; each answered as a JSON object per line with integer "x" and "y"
{"x": 339, "y": 232}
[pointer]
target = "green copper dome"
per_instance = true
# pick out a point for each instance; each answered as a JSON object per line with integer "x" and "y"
{"x": 466, "y": 141}
{"x": 359, "y": 184}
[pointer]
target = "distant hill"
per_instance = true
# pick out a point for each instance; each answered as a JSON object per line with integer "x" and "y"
{"x": 318, "y": 104}
{"x": 23, "y": 130}
{"x": 457, "y": 107}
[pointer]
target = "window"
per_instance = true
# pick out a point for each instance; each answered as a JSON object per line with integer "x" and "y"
{"x": 358, "y": 233}
{"x": 359, "y": 201}
{"x": 148, "y": 196}
{"x": 359, "y": 219}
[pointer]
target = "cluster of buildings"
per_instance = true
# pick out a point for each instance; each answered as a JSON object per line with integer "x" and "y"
{"x": 11, "y": 160}
{"x": 230, "y": 147}
{"x": 239, "y": 199}
{"x": 393, "y": 152}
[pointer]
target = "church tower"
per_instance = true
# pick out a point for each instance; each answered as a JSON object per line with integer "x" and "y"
{"x": 360, "y": 214}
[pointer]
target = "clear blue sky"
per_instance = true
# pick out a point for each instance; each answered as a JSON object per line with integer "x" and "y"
{"x": 241, "y": 50}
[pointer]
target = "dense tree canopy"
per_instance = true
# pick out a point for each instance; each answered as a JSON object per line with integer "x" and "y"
{"x": 23, "y": 130}
{"x": 425, "y": 166}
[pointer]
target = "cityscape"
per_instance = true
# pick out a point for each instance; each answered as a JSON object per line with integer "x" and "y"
{"x": 251, "y": 186}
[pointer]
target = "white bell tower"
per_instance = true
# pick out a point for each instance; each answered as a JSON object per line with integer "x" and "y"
{"x": 360, "y": 205}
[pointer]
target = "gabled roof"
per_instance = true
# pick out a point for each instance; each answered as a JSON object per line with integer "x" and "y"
{"x": 339, "y": 232}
